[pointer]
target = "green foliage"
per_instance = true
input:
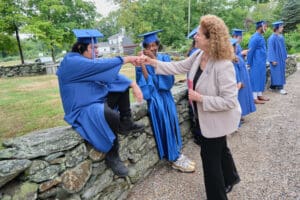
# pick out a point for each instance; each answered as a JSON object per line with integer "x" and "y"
{"x": 109, "y": 25}
{"x": 143, "y": 16}
{"x": 8, "y": 45}
{"x": 52, "y": 20}
{"x": 291, "y": 14}
{"x": 292, "y": 40}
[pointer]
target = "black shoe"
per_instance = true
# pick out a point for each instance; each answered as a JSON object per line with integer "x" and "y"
{"x": 128, "y": 125}
{"x": 116, "y": 165}
{"x": 229, "y": 187}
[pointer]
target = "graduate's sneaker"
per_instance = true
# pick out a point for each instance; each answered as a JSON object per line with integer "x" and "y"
{"x": 282, "y": 91}
{"x": 182, "y": 156}
{"x": 127, "y": 125}
{"x": 183, "y": 165}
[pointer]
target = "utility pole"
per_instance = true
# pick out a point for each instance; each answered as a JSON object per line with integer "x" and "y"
{"x": 189, "y": 17}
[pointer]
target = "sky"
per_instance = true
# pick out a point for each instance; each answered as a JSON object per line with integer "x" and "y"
{"x": 105, "y": 6}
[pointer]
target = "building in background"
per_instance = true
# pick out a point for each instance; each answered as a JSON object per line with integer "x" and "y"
{"x": 119, "y": 43}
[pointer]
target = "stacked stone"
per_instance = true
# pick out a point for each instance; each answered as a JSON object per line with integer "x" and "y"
{"x": 58, "y": 164}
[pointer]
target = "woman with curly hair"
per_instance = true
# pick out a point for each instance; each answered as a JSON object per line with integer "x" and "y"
{"x": 215, "y": 104}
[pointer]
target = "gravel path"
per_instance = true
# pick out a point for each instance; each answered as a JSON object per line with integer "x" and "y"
{"x": 266, "y": 150}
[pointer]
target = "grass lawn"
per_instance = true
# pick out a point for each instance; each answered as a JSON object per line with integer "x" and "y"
{"x": 33, "y": 103}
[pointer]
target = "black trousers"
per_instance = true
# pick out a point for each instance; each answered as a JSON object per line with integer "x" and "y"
{"x": 218, "y": 167}
{"x": 119, "y": 101}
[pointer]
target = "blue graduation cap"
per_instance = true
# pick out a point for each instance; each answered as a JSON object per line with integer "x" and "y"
{"x": 260, "y": 23}
{"x": 87, "y": 36}
{"x": 233, "y": 41}
{"x": 237, "y": 32}
{"x": 277, "y": 24}
{"x": 150, "y": 36}
{"x": 193, "y": 32}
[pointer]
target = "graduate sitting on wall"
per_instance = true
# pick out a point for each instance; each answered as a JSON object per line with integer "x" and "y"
{"x": 95, "y": 97}
{"x": 161, "y": 106}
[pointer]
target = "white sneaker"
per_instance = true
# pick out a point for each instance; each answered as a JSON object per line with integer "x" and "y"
{"x": 182, "y": 156}
{"x": 183, "y": 165}
{"x": 282, "y": 91}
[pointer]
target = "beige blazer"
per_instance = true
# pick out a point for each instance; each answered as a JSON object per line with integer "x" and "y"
{"x": 219, "y": 114}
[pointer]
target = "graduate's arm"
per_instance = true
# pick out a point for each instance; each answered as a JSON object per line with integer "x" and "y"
{"x": 271, "y": 52}
{"x": 252, "y": 47}
{"x": 137, "y": 92}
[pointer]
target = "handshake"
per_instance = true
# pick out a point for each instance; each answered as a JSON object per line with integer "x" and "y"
{"x": 143, "y": 58}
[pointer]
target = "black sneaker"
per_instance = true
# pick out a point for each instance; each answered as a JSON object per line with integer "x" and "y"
{"x": 128, "y": 125}
{"x": 117, "y": 166}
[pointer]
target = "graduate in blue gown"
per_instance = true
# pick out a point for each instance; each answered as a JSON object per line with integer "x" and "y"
{"x": 191, "y": 35}
{"x": 238, "y": 34}
{"x": 161, "y": 106}
{"x": 95, "y": 96}
{"x": 257, "y": 58}
{"x": 277, "y": 56}
{"x": 245, "y": 91}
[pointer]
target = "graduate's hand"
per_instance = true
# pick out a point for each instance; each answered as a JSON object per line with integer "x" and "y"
{"x": 146, "y": 60}
{"x": 135, "y": 60}
{"x": 274, "y": 63}
{"x": 137, "y": 92}
{"x": 244, "y": 52}
{"x": 194, "y": 96}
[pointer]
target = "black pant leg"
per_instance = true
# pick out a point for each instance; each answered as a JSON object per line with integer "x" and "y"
{"x": 112, "y": 118}
{"x": 211, "y": 154}
{"x": 120, "y": 100}
{"x": 228, "y": 166}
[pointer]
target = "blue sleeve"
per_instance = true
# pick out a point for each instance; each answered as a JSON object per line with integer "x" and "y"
{"x": 271, "y": 55}
{"x": 76, "y": 68}
{"x": 237, "y": 72}
{"x": 252, "y": 47}
{"x": 146, "y": 86}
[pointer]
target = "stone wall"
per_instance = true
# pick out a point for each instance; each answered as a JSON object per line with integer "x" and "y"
{"x": 32, "y": 69}
{"x": 57, "y": 164}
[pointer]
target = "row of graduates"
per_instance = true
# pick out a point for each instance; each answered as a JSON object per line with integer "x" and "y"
{"x": 250, "y": 65}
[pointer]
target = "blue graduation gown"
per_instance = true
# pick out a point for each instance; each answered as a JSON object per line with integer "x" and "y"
{"x": 192, "y": 51}
{"x": 84, "y": 84}
{"x": 277, "y": 53}
{"x": 245, "y": 95}
{"x": 239, "y": 49}
{"x": 257, "y": 57}
{"x": 162, "y": 110}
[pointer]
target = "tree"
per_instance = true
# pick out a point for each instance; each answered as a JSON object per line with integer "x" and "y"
{"x": 109, "y": 25}
{"x": 52, "y": 21}
{"x": 291, "y": 14}
{"x": 13, "y": 16}
{"x": 143, "y": 16}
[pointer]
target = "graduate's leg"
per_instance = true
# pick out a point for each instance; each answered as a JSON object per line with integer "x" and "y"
{"x": 122, "y": 102}
{"x": 211, "y": 154}
{"x": 112, "y": 158}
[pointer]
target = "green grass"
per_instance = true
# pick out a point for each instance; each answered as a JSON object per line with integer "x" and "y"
{"x": 33, "y": 103}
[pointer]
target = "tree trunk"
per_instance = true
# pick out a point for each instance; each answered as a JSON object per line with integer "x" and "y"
{"x": 19, "y": 44}
{"x": 52, "y": 53}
